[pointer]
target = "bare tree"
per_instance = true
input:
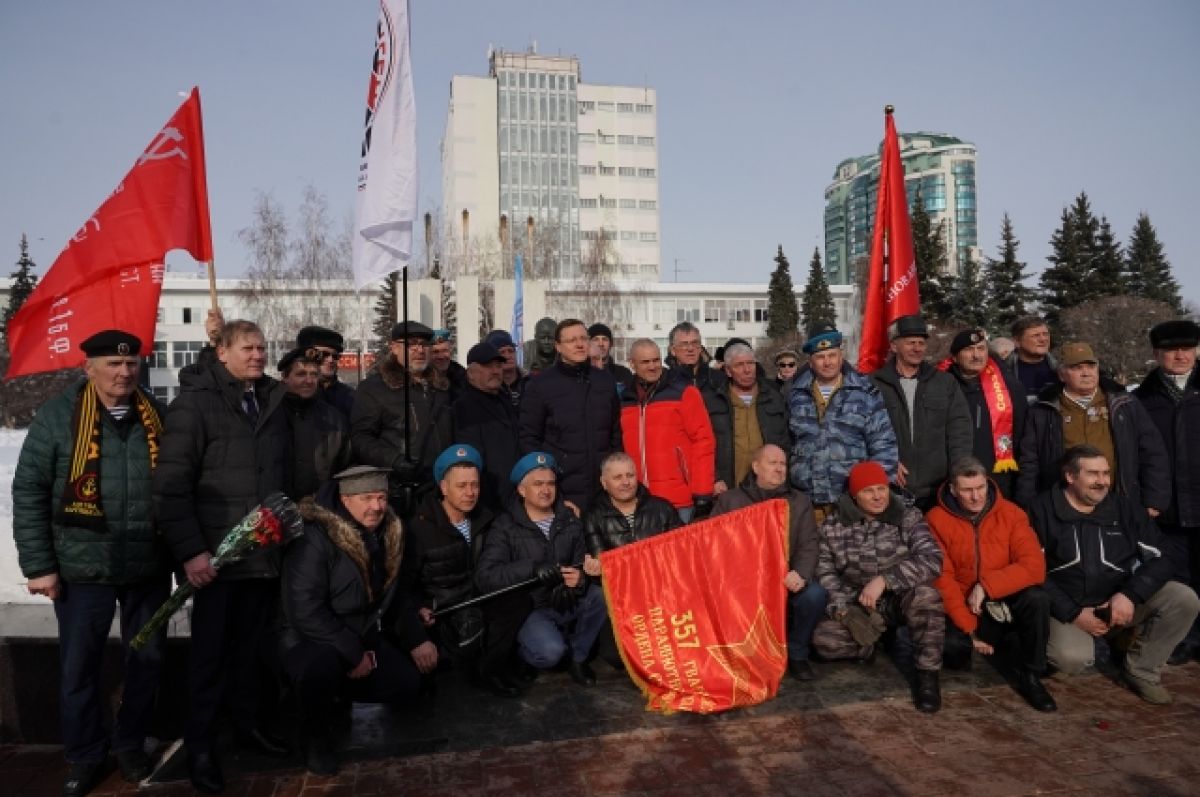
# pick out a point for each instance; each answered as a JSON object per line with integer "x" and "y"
{"x": 1118, "y": 327}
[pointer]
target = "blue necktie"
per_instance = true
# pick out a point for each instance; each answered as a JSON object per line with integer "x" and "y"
{"x": 250, "y": 406}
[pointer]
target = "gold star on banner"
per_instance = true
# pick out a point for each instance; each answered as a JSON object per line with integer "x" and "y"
{"x": 755, "y": 662}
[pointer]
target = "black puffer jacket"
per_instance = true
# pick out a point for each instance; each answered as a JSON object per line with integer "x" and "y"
{"x": 327, "y": 595}
{"x": 772, "y": 413}
{"x": 215, "y": 465}
{"x": 1089, "y": 558}
{"x": 488, "y": 421}
{"x": 940, "y": 430}
{"x": 377, "y": 422}
{"x": 802, "y": 523}
{"x": 1143, "y": 472}
{"x": 605, "y": 528}
{"x": 338, "y": 395}
{"x": 320, "y": 443}
{"x": 439, "y": 562}
{"x": 1179, "y": 426}
{"x": 515, "y": 546}
{"x": 572, "y": 412}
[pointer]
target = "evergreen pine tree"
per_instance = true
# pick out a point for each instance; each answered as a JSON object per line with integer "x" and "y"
{"x": 1062, "y": 284}
{"x": 968, "y": 297}
{"x": 783, "y": 315}
{"x": 1107, "y": 277}
{"x": 1147, "y": 271}
{"x": 385, "y": 310}
{"x": 817, "y": 304}
{"x": 929, "y": 251}
{"x": 1003, "y": 281}
{"x": 23, "y": 283}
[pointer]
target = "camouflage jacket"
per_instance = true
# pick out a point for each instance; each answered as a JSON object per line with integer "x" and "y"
{"x": 856, "y": 427}
{"x": 855, "y": 548}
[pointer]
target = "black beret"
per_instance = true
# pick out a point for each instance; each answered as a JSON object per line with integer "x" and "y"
{"x": 968, "y": 337}
{"x": 414, "y": 330}
{"x": 319, "y": 336}
{"x": 909, "y": 326}
{"x": 1175, "y": 334}
{"x": 290, "y": 358}
{"x": 111, "y": 343}
{"x": 600, "y": 329}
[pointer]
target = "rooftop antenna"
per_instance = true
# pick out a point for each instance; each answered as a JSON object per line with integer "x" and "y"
{"x": 678, "y": 269}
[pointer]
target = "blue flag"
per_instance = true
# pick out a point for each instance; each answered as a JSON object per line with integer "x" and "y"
{"x": 518, "y": 316}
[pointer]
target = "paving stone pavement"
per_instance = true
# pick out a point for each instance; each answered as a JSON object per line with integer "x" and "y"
{"x": 844, "y": 735}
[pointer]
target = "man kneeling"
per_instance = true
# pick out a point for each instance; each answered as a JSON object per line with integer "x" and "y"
{"x": 877, "y": 560}
{"x": 992, "y": 566}
{"x": 339, "y": 581}
{"x": 540, "y": 539}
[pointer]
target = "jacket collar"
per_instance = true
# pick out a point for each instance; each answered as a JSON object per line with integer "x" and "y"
{"x": 850, "y": 513}
{"x": 948, "y": 501}
{"x": 393, "y": 374}
{"x": 346, "y": 535}
{"x": 1105, "y": 512}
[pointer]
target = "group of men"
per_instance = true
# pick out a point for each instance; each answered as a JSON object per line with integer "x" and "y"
{"x": 454, "y": 517}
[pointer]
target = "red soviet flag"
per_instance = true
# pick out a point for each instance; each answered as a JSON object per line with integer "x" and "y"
{"x": 892, "y": 280}
{"x": 699, "y": 613}
{"x": 109, "y": 275}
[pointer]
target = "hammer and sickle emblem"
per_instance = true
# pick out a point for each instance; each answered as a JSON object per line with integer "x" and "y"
{"x": 157, "y": 149}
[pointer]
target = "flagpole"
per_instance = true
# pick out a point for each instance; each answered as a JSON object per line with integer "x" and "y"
{"x": 212, "y": 283}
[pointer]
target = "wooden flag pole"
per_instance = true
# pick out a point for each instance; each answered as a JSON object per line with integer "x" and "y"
{"x": 212, "y": 284}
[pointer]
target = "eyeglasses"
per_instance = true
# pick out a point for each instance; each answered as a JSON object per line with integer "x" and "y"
{"x": 319, "y": 354}
{"x": 787, "y": 365}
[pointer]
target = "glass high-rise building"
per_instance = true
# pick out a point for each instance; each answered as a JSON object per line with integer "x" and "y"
{"x": 942, "y": 167}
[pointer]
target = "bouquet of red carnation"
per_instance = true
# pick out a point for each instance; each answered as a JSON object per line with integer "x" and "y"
{"x": 273, "y": 522}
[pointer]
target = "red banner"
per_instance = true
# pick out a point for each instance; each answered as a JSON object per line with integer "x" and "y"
{"x": 699, "y": 613}
{"x": 109, "y": 275}
{"x": 891, "y": 288}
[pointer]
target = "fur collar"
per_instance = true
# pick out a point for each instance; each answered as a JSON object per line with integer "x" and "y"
{"x": 346, "y": 537}
{"x": 393, "y": 373}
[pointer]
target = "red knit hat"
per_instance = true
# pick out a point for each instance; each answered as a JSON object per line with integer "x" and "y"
{"x": 866, "y": 474}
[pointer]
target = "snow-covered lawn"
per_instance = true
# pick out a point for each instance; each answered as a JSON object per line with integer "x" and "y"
{"x": 12, "y": 583}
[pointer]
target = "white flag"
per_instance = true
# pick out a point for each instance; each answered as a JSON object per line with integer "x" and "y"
{"x": 387, "y": 175}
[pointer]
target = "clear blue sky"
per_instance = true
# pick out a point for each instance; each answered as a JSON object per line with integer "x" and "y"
{"x": 757, "y": 101}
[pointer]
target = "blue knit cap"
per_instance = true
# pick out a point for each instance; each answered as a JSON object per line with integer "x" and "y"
{"x": 455, "y": 454}
{"x": 531, "y": 461}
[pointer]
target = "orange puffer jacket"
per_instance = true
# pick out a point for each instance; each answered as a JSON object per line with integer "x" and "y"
{"x": 998, "y": 550}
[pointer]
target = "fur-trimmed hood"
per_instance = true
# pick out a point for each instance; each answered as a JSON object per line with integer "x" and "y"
{"x": 343, "y": 534}
{"x": 393, "y": 374}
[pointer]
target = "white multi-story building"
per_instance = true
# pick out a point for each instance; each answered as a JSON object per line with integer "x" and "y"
{"x": 532, "y": 141}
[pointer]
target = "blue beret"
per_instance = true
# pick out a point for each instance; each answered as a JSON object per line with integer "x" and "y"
{"x": 454, "y": 455}
{"x": 531, "y": 461}
{"x": 828, "y": 338}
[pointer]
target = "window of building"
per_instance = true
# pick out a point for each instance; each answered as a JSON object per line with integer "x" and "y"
{"x": 608, "y": 170}
{"x": 606, "y": 139}
{"x": 625, "y": 107}
{"x": 542, "y": 80}
{"x": 648, "y": 204}
{"x": 604, "y": 105}
{"x": 649, "y": 269}
{"x": 158, "y": 357}
{"x": 627, "y": 171}
{"x": 628, "y": 235}
{"x": 586, "y": 105}
{"x": 645, "y": 141}
{"x": 648, "y": 237}
{"x": 714, "y": 310}
{"x": 760, "y": 310}
{"x": 645, "y": 109}
{"x": 740, "y": 310}
{"x": 606, "y": 202}
{"x": 626, "y": 140}
{"x": 185, "y": 352}
{"x": 163, "y": 393}
{"x": 687, "y": 310}
{"x": 571, "y": 82}
{"x": 628, "y": 204}
{"x": 587, "y": 169}
{"x": 521, "y": 79}
{"x": 645, "y": 172}
{"x": 187, "y": 315}
{"x": 587, "y": 138}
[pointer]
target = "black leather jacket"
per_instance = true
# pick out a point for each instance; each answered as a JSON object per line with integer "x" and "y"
{"x": 606, "y": 528}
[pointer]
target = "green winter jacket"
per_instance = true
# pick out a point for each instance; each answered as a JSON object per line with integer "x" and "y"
{"x": 131, "y": 550}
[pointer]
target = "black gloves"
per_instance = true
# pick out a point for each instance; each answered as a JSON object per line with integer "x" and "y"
{"x": 702, "y": 506}
{"x": 548, "y": 574}
{"x": 564, "y": 599}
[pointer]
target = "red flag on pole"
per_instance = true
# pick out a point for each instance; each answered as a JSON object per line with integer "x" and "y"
{"x": 109, "y": 275}
{"x": 892, "y": 280}
{"x": 699, "y": 613}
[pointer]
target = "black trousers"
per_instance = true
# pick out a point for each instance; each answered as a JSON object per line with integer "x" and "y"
{"x": 503, "y": 616}
{"x": 1030, "y": 610}
{"x": 318, "y": 674}
{"x": 1181, "y": 546}
{"x": 230, "y": 630}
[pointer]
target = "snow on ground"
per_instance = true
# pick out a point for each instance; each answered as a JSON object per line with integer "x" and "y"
{"x": 12, "y": 583}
